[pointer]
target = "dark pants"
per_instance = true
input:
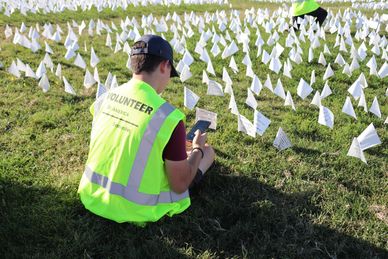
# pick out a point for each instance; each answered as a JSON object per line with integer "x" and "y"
{"x": 320, "y": 14}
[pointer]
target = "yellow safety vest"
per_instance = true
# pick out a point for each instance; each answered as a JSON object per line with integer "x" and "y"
{"x": 125, "y": 178}
{"x": 300, "y": 7}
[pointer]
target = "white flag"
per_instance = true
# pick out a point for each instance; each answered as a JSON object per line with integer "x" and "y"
{"x": 79, "y": 62}
{"x": 44, "y": 83}
{"x": 261, "y": 123}
{"x": 214, "y": 88}
{"x": 279, "y": 90}
{"x": 190, "y": 98}
{"x": 355, "y": 150}
{"x": 68, "y": 88}
{"x": 326, "y": 91}
{"x": 246, "y": 126}
{"x": 368, "y": 138}
{"x": 348, "y": 108}
{"x": 326, "y": 117}
{"x": 304, "y": 89}
{"x": 289, "y": 101}
{"x": 316, "y": 99}
{"x": 58, "y": 71}
{"x": 375, "y": 108}
{"x": 100, "y": 90}
{"x": 94, "y": 60}
{"x": 251, "y": 100}
{"x": 233, "y": 105}
{"x": 268, "y": 83}
{"x": 233, "y": 65}
{"x": 185, "y": 74}
{"x": 328, "y": 73}
{"x": 281, "y": 141}
{"x": 88, "y": 79}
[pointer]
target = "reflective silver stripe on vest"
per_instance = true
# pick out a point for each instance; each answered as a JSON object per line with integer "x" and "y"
{"x": 131, "y": 191}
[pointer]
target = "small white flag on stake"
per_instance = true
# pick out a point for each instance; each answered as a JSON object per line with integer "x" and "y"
{"x": 326, "y": 117}
{"x": 30, "y": 72}
{"x": 316, "y": 99}
{"x": 225, "y": 76}
{"x": 261, "y": 123}
{"x": 251, "y": 100}
{"x": 210, "y": 68}
{"x": 68, "y": 88}
{"x": 328, "y": 73}
{"x": 187, "y": 58}
{"x": 205, "y": 78}
{"x": 347, "y": 70}
{"x": 279, "y": 90}
{"x": 326, "y": 91}
{"x": 48, "y": 48}
{"x": 275, "y": 65}
{"x": 375, "y": 108}
{"x": 312, "y": 79}
{"x": 41, "y": 70}
{"x": 44, "y": 83}
{"x": 88, "y": 79}
{"x": 289, "y": 101}
{"x": 228, "y": 89}
{"x": 250, "y": 72}
{"x": 322, "y": 60}
{"x": 100, "y": 90}
{"x": 369, "y": 138}
{"x": 304, "y": 89}
{"x": 383, "y": 72}
{"x": 233, "y": 105}
{"x": 190, "y": 98}
{"x": 202, "y": 114}
{"x": 79, "y": 62}
{"x": 268, "y": 83}
{"x": 362, "y": 102}
{"x": 356, "y": 89}
{"x": 281, "y": 141}
{"x": 214, "y": 88}
{"x": 96, "y": 76}
{"x": 69, "y": 54}
{"x": 348, "y": 108}
{"x": 230, "y": 50}
{"x": 246, "y": 126}
{"x": 58, "y": 71}
{"x": 233, "y": 65}
{"x": 94, "y": 60}
{"x": 185, "y": 74}
{"x": 355, "y": 150}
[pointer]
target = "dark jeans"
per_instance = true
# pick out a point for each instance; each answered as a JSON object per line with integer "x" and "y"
{"x": 320, "y": 14}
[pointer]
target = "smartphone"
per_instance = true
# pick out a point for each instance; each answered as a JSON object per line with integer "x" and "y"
{"x": 199, "y": 125}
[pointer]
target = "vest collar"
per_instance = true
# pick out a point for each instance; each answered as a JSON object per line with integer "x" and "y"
{"x": 141, "y": 85}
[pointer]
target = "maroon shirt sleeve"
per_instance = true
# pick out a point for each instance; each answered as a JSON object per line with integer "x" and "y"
{"x": 175, "y": 150}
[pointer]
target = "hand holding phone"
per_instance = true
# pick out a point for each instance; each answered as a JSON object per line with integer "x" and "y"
{"x": 201, "y": 125}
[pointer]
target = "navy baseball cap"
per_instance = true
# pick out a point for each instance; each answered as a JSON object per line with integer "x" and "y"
{"x": 157, "y": 46}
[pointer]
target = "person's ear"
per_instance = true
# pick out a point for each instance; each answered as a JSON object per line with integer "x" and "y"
{"x": 164, "y": 66}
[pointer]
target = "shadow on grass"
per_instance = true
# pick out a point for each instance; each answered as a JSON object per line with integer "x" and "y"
{"x": 230, "y": 216}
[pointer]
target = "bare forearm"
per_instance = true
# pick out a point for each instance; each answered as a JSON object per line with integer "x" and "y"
{"x": 194, "y": 160}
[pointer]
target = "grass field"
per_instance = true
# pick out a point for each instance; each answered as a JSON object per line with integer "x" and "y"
{"x": 309, "y": 201}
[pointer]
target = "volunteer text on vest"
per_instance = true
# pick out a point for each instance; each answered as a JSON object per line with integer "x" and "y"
{"x": 132, "y": 103}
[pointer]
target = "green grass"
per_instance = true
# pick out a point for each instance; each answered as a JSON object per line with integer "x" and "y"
{"x": 310, "y": 201}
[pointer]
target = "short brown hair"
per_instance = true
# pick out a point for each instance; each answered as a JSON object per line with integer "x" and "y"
{"x": 144, "y": 62}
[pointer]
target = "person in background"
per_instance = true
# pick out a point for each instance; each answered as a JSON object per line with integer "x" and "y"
{"x": 138, "y": 169}
{"x": 300, "y": 8}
